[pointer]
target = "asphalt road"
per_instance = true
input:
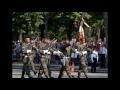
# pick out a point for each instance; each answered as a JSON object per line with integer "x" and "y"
{"x": 17, "y": 69}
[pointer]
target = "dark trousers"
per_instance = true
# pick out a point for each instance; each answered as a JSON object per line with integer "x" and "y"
{"x": 36, "y": 59}
{"x": 99, "y": 59}
{"x": 26, "y": 70}
{"x": 102, "y": 61}
{"x": 94, "y": 64}
{"x": 76, "y": 61}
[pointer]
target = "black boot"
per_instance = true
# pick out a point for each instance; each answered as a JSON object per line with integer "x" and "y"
{"x": 35, "y": 72}
{"x": 72, "y": 76}
{"x": 86, "y": 76}
{"x": 30, "y": 76}
{"x": 39, "y": 75}
{"x": 60, "y": 75}
{"x": 78, "y": 75}
{"x": 22, "y": 77}
{"x": 23, "y": 73}
{"x": 50, "y": 75}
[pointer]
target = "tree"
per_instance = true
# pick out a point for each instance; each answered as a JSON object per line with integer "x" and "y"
{"x": 25, "y": 22}
{"x": 60, "y": 24}
{"x": 42, "y": 30}
{"x": 106, "y": 30}
{"x": 66, "y": 21}
{"x": 97, "y": 23}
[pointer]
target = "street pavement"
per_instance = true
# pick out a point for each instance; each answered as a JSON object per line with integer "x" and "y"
{"x": 17, "y": 69}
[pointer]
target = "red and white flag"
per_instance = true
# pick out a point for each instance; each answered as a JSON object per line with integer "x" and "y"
{"x": 81, "y": 35}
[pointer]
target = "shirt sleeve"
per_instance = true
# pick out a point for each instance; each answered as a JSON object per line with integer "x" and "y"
{"x": 97, "y": 56}
{"x": 106, "y": 51}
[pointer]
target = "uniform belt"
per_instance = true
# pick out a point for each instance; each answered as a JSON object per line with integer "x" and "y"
{"x": 45, "y": 54}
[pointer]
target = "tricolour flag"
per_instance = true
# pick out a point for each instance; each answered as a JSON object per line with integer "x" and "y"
{"x": 81, "y": 35}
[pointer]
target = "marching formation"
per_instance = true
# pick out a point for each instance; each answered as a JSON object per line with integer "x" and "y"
{"x": 67, "y": 53}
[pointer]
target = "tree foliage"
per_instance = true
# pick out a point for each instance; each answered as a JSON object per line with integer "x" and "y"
{"x": 60, "y": 24}
{"x": 25, "y": 22}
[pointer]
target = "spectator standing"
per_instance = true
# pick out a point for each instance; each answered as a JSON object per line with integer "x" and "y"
{"x": 103, "y": 53}
{"x": 94, "y": 60}
{"x": 18, "y": 51}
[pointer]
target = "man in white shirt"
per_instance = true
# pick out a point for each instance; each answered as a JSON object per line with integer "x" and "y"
{"x": 103, "y": 53}
{"x": 94, "y": 60}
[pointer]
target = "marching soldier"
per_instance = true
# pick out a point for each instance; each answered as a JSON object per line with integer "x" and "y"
{"x": 65, "y": 49}
{"x": 28, "y": 58}
{"x": 32, "y": 56}
{"x": 49, "y": 56}
{"x": 45, "y": 57}
{"x": 82, "y": 60}
{"x": 53, "y": 48}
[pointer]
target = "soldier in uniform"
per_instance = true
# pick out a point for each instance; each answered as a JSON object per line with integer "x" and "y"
{"x": 65, "y": 49}
{"x": 45, "y": 57}
{"x": 49, "y": 56}
{"x": 53, "y": 48}
{"x": 82, "y": 60}
{"x": 32, "y": 56}
{"x": 28, "y": 58}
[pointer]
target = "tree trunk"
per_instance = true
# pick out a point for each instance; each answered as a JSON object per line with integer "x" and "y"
{"x": 106, "y": 32}
{"x": 20, "y": 37}
{"x": 42, "y": 30}
{"x": 46, "y": 24}
{"x": 98, "y": 33}
{"x": 69, "y": 32}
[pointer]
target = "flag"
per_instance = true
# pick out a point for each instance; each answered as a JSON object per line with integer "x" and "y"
{"x": 81, "y": 35}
